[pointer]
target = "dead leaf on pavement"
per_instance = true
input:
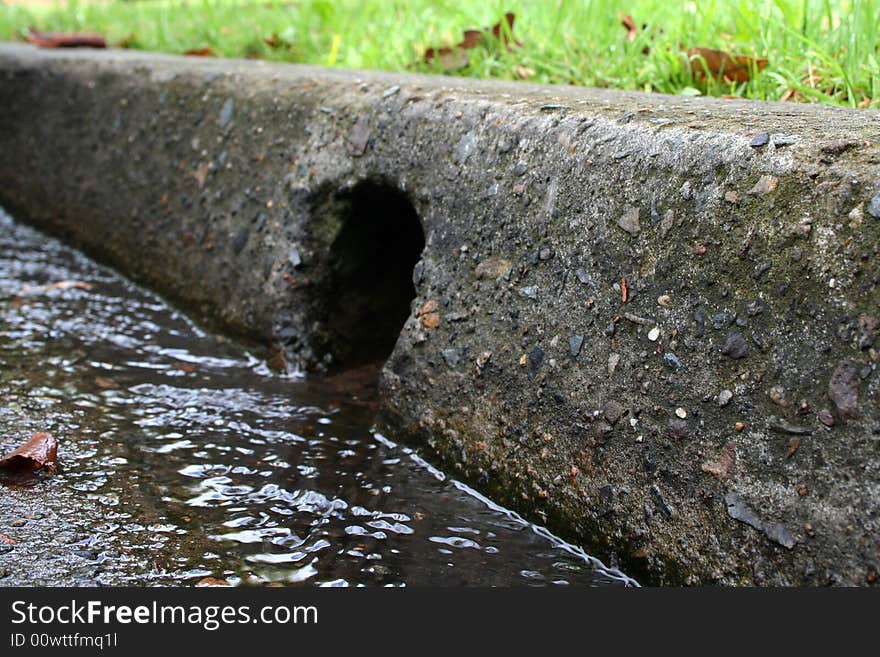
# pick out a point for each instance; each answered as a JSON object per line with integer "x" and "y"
{"x": 40, "y": 451}
{"x": 66, "y": 39}
{"x": 276, "y": 360}
{"x": 212, "y": 581}
{"x": 720, "y": 64}
{"x": 59, "y": 285}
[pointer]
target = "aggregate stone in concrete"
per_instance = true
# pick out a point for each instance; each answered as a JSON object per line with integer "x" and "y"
{"x": 553, "y": 219}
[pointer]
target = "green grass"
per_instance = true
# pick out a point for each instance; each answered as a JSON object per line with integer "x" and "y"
{"x": 823, "y": 51}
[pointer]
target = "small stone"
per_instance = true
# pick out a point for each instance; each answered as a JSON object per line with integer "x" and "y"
{"x": 765, "y": 185}
{"x": 583, "y": 276}
{"x": 667, "y": 223}
{"x": 226, "y": 112}
{"x": 735, "y": 346}
{"x": 761, "y": 269}
{"x": 653, "y": 334}
{"x": 630, "y": 221}
{"x": 575, "y": 343}
{"x": 777, "y": 395}
{"x": 856, "y": 216}
{"x": 464, "y": 148}
{"x": 664, "y": 300}
{"x": 451, "y": 356}
{"x": 724, "y": 397}
{"x": 874, "y": 206}
{"x": 731, "y": 197}
{"x": 680, "y": 412}
{"x": 390, "y": 91}
{"x": 493, "y": 268}
{"x": 760, "y": 140}
{"x": 843, "y": 389}
{"x": 536, "y": 356}
{"x": 826, "y": 418}
{"x": 613, "y": 361}
{"x": 785, "y": 140}
{"x": 612, "y": 411}
{"x": 783, "y": 426}
{"x": 546, "y": 252}
{"x": 671, "y": 360}
{"x": 529, "y": 292}
{"x": 678, "y": 428}
{"x": 739, "y": 426}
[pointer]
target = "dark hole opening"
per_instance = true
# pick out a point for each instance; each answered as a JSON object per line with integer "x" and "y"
{"x": 371, "y": 277}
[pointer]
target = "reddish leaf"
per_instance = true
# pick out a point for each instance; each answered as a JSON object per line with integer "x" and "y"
{"x": 505, "y": 37}
{"x": 276, "y": 360}
{"x": 631, "y": 30}
{"x": 453, "y": 57}
{"x": 40, "y": 451}
{"x": 212, "y": 581}
{"x": 471, "y": 39}
{"x": 718, "y": 63}
{"x": 207, "y": 51}
{"x": 66, "y": 39}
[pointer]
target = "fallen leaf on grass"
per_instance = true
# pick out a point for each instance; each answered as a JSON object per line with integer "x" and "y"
{"x": 630, "y": 25}
{"x": 275, "y": 42}
{"x": 59, "y": 285}
{"x": 40, "y": 451}
{"x": 65, "y": 39}
{"x": 720, "y": 64}
{"x": 212, "y": 581}
{"x": 207, "y": 51}
{"x": 454, "y": 57}
{"x": 6, "y": 540}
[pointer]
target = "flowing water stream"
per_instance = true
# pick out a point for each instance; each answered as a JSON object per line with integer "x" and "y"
{"x": 183, "y": 456}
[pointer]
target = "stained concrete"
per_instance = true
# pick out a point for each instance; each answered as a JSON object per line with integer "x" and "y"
{"x": 650, "y": 322}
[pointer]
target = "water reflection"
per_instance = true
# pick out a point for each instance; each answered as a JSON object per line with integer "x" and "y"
{"x": 182, "y": 457}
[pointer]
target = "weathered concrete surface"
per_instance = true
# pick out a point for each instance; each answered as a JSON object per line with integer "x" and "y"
{"x": 721, "y": 425}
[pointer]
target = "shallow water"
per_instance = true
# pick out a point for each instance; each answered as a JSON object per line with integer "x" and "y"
{"x": 183, "y": 456}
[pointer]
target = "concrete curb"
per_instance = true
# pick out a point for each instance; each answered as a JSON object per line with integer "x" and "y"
{"x": 650, "y": 322}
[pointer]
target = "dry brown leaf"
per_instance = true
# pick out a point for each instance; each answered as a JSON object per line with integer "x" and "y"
{"x": 59, "y": 285}
{"x": 524, "y": 72}
{"x": 724, "y": 465}
{"x": 211, "y": 581}
{"x": 718, "y": 63}
{"x": 207, "y": 51}
{"x": 630, "y": 25}
{"x": 276, "y": 360}
{"x": 66, "y": 39}
{"x": 453, "y": 57}
{"x": 40, "y": 451}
